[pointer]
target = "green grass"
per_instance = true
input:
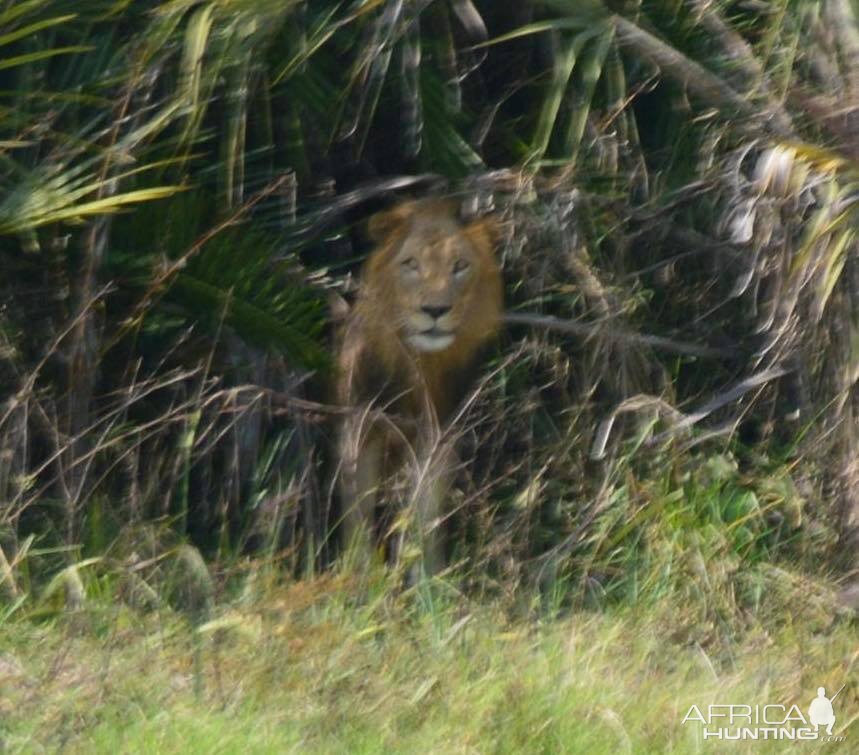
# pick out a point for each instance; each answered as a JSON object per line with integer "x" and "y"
{"x": 310, "y": 667}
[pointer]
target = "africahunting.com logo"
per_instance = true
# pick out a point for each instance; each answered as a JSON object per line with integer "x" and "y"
{"x": 771, "y": 721}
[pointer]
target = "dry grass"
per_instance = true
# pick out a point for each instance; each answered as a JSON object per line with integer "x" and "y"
{"x": 305, "y": 667}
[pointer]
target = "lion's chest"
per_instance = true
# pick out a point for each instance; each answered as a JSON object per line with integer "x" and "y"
{"x": 409, "y": 388}
{"x": 414, "y": 388}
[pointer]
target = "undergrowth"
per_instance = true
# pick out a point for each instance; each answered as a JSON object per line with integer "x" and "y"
{"x": 307, "y": 666}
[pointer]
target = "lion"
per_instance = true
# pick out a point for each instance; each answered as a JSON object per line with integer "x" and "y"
{"x": 430, "y": 299}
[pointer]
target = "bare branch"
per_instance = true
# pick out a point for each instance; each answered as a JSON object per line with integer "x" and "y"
{"x": 548, "y": 322}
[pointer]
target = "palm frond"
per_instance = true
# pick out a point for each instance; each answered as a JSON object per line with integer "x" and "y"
{"x": 239, "y": 280}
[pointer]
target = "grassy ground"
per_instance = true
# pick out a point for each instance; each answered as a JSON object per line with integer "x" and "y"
{"x": 305, "y": 667}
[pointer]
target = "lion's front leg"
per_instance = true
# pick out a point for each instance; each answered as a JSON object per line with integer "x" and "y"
{"x": 361, "y": 460}
{"x": 429, "y": 505}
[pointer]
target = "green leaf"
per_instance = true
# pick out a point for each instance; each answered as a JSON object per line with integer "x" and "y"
{"x": 34, "y": 57}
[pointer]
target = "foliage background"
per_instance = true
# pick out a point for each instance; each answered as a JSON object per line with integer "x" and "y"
{"x": 184, "y": 182}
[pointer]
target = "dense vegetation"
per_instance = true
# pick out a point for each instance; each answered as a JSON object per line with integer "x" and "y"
{"x": 669, "y": 420}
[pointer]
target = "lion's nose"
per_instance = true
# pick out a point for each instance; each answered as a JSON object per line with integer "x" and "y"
{"x": 436, "y": 312}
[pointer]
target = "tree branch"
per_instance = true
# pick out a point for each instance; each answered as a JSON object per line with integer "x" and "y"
{"x": 660, "y": 343}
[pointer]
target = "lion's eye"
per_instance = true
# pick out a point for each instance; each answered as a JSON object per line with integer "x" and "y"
{"x": 460, "y": 267}
{"x": 410, "y": 265}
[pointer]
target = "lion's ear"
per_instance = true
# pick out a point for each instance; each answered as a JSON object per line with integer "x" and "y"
{"x": 485, "y": 232}
{"x": 385, "y": 224}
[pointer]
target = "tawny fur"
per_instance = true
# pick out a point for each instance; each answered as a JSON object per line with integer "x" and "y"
{"x": 395, "y": 358}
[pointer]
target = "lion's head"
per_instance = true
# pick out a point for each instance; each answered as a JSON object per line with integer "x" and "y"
{"x": 434, "y": 279}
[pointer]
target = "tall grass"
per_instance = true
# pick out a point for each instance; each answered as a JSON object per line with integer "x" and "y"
{"x": 302, "y": 668}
